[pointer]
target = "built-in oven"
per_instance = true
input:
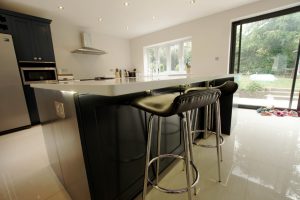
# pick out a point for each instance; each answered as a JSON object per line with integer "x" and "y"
{"x": 35, "y": 73}
{"x": 38, "y": 75}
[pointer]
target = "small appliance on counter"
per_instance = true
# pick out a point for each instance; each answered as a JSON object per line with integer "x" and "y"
{"x": 65, "y": 77}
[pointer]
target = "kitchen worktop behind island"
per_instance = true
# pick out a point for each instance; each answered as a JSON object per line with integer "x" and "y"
{"x": 96, "y": 140}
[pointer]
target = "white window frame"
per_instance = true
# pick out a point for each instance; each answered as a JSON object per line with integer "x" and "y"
{"x": 167, "y": 45}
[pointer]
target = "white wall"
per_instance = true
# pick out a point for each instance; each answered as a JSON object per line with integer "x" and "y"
{"x": 66, "y": 37}
{"x": 210, "y": 37}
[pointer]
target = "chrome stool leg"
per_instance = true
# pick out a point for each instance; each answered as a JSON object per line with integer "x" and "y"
{"x": 190, "y": 140}
{"x": 195, "y": 122}
{"x": 158, "y": 148}
{"x": 187, "y": 156}
{"x": 150, "y": 122}
{"x": 221, "y": 153}
{"x": 205, "y": 135}
{"x": 218, "y": 132}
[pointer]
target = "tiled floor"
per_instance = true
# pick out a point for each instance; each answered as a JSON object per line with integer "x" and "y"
{"x": 261, "y": 162}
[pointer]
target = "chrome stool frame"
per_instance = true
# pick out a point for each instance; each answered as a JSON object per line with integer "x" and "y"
{"x": 188, "y": 157}
{"x": 229, "y": 87}
{"x": 180, "y": 105}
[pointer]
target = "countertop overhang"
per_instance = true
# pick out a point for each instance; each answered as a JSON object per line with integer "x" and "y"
{"x": 122, "y": 86}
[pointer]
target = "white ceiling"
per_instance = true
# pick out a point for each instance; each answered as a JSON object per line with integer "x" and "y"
{"x": 138, "y": 16}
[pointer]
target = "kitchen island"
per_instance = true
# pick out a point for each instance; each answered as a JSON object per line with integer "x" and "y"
{"x": 96, "y": 141}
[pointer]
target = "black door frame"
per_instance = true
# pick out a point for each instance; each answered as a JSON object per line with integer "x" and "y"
{"x": 234, "y": 26}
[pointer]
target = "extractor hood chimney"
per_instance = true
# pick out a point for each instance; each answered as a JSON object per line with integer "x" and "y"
{"x": 86, "y": 46}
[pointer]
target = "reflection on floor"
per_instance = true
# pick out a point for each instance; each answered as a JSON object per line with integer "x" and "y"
{"x": 24, "y": 168}
{"x": 261, "y": 162}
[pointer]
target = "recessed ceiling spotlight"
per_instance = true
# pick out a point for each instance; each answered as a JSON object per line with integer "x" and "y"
{"x": 100, "y": 19}
{"x": 192, "y": 1}
{"x": 60, "y": 7}
{"x": 126, "y": 3}
{"x": 153, "y": 17}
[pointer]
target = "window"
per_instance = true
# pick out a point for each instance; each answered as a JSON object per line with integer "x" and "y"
{"x": 168, "y": 58}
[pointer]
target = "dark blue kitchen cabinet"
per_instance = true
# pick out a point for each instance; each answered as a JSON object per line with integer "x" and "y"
{"x": 42, "y": 41}
{"x": 4, "y": 26}
{"x": 32, "y": 40}
{"x": 22, "y": 37}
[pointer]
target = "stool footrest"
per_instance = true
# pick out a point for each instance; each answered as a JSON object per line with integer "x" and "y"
{"x": 173, "y": 191}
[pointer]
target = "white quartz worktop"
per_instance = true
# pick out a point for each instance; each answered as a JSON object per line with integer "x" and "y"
{"x": 122, "y": 86}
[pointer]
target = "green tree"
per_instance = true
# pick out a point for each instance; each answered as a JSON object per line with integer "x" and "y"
{"x": 264, "y": 41}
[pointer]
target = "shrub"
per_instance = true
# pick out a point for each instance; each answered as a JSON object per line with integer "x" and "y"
{"x": 254, "y": 86}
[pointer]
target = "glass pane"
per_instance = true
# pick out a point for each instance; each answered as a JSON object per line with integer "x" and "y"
{"x": 187, "y": 53}
{"x": 267, "y": 60}
{"x": 162, "y": 54}
{"x": 175, "y": 57}
{"x": 151, "y": 59}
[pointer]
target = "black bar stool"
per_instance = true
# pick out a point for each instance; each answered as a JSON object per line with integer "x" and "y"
{"x": 227, "y": 88}
{"x": 165, "y": 106}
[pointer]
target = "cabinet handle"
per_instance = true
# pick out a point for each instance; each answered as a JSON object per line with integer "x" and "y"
{"x": 40, "y": 58}
{"x": 35, "y": 58}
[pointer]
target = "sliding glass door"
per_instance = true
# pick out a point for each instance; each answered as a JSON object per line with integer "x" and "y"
{"x": 265, "y": 52}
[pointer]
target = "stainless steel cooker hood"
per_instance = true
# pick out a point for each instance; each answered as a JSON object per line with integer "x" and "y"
{"x": 86, "y": 46}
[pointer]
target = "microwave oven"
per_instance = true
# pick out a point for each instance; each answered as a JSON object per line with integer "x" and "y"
{"x": 38, "y": 75}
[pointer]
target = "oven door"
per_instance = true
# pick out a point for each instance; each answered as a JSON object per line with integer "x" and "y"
{"x": 38, "y": 75}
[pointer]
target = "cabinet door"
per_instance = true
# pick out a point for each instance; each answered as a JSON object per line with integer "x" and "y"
{"x": 4, "y": 26}
{"x": 31, "y": 105}
{"x": 43, "y": 42}
{"x": 23, "y": 43}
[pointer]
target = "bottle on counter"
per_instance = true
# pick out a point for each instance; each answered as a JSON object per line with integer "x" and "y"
{"x": 126, "y": 73}
{"x": 134, "y": 72}
{"x": 117, "y": 73}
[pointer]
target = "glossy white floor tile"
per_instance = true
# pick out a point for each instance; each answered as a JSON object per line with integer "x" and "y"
{"x": 261, "y": 162}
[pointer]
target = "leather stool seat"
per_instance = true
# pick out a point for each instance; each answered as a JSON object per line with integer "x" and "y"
{"x": 228, "y": 88}
{"x": 171, "y": 104}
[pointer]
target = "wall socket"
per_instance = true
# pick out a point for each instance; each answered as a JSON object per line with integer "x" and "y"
{"x": 60, "y": 110}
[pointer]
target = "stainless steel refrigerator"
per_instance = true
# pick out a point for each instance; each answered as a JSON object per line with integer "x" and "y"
{"x": 13, "y": 109}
